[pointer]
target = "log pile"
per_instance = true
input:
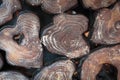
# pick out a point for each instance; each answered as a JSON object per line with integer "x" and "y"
{"x": 60, "y": 40}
